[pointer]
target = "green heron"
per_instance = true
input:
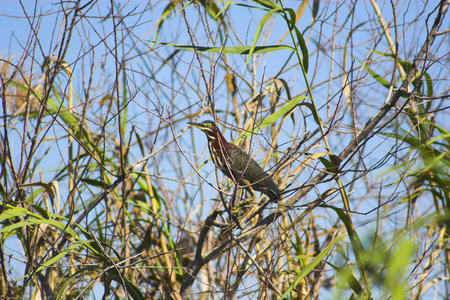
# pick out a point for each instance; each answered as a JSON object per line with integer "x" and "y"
{"x": 236, "y": 164}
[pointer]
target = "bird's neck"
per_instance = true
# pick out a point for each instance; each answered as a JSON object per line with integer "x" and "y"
{"x": 219, "y": 142}
{"x": 221, "y": 139}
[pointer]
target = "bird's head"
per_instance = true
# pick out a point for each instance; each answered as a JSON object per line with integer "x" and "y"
{"x": 208, "y": 127}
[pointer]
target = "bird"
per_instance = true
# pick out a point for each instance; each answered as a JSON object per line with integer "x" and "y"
{"x": 236, "y": 164}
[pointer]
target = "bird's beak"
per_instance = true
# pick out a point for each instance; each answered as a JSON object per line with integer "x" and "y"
{"x": 198, "y": 125}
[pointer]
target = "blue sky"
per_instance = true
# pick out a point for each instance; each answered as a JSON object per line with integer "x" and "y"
{"x": 148, "y": 91}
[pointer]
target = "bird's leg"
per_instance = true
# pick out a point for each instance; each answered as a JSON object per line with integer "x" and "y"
{"x": 245, "y": 203}
{"x": 229, "y": 209}
{"x": 233, "y": 218}
{"x": 227, "y": 231}
{"x": 257, "y": 211}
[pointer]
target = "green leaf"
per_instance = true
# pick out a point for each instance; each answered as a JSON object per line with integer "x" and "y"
{"x": 61, "y": 111}
{"x": 259, "y": 29}
{"x": 167, "y": 10}
{"x": 377, "y": 77}
{"x": 93, "y": 182}
{"x": 268, "y": 4}
{"x": 225, "y": 6}
{"x": 211, "y": 8}
{"x": 37, "y": 221}
{"x": 354, "y": 240}
{"x": 275, "y": 116}
{"x": 331, "y": 165}
{"x": 292, "y": 26}
{"x": 315, "y": 8}
{"x": 12, "y": 213}
{"x": 230, "y": 50}
{"x": 133, "y": 290}
{"x": 398, "y": 265}
{"x": 57, "y": 257}
{"x": 309, "y": 267}
{"x": 431, "y": 163}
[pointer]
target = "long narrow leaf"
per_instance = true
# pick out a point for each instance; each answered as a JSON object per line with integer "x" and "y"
{"x": 231, "y": 50}
{"x": 275, "y": 116}
{"x": 308, "y": 268}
